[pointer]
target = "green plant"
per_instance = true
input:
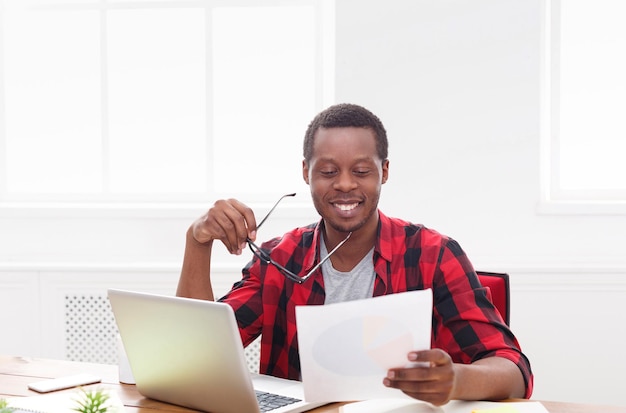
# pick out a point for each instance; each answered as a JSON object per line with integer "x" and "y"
{"x": 4, "y": 407}
{"x": 92, "y": 402}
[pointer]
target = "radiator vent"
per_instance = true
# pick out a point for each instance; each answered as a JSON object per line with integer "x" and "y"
{"x": 253, "y": 355}
{"x": 90, "y": 329}
{"x": 91, "y": 332}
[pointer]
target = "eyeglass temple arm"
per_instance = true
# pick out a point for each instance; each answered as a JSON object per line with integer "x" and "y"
{"x": 273, "y": 208}
{"x": 323, "y": 260}
{"x": 264, "y": 257}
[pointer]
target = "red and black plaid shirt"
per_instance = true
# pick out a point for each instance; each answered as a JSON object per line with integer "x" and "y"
{"x": 406, "y": 257}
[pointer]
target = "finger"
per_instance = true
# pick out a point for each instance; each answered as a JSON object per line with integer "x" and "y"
{"x": 235, "y": 220}
{"x": 423, "y": 371}
{"x": 419, "y": 383}
{"x": 434, "y": 357}
{"x": 419, "y": 368}
{"x": 249, "y": 218}
{"x": 400, "y": 377}
{"x": 228, "y": 221}
{"x": 209, "y": 227}
{"x": 414, "y": 373}
{"x": 431, "y": 391}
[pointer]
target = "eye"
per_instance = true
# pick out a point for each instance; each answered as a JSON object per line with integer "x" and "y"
{"x": 328, "y": 172}
{"x": 361, "y": 171}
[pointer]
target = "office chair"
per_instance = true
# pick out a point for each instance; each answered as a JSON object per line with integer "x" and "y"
{"x": 498, "y": 285}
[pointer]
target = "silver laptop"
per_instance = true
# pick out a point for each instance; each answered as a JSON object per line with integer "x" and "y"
{"x": 189, "y": 352}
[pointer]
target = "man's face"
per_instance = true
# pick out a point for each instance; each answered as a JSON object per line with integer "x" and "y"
{"x": 345, "y": 174}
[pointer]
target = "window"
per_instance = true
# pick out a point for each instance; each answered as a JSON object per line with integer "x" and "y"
{"x": 178, "y": 101}
{"x": 585, "y": 102}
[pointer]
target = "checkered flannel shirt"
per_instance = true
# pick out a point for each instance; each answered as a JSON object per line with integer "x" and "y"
{"x": 406, "y": 257}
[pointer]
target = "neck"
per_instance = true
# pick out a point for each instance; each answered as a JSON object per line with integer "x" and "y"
{"x": 355, "y": 248}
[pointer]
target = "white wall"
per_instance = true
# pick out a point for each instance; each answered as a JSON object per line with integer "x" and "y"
{"x": 457, "y": 84}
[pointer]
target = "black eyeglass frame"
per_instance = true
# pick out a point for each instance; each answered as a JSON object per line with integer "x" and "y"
{"x": 263, "y": 256}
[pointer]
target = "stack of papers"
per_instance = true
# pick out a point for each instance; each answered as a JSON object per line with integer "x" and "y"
{"x": 455, "y": 406}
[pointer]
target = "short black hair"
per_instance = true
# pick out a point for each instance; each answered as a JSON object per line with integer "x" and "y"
{"x": 346, "y": 115}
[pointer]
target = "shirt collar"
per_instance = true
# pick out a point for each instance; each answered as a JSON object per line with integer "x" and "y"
{"x": 383, "y": 246}
{"x": 383, "y": 241}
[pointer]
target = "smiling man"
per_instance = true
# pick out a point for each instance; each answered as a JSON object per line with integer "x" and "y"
{"x": 474, "y": 355}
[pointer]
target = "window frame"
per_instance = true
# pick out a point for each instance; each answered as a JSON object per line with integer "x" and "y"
{"x": 555, "y": 200}
{"x": 171, "y": 205}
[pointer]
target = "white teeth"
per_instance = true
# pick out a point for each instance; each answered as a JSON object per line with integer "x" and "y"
{"x": 345, "y": 207}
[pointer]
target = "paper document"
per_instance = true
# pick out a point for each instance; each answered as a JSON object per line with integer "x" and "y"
{"x": 455, "y": 406}
{"x": 347, "y": 348}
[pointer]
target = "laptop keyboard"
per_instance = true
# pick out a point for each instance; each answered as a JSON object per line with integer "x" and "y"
{"x": 271, "y": 401}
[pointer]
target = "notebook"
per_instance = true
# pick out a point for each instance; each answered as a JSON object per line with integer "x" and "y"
{"x": 189, "y": 352}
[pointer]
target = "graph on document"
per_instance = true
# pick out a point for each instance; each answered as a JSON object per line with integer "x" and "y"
{"x": 370, "y": 343}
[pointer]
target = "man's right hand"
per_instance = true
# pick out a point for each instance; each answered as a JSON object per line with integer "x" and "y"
{"x": 230, "y": 221}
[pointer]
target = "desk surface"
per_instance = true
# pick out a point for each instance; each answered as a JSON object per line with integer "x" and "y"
{"x": 17, "y": 372}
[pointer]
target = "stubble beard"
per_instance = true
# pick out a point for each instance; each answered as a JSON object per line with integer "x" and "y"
{"x": 337, "y": 226}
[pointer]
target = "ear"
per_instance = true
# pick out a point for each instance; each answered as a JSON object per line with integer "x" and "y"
{"x": 305, "y": 171}
{"x": 385, "y": 171}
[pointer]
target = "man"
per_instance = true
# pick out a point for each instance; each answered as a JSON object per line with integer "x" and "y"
{"x": 474, "y": 355}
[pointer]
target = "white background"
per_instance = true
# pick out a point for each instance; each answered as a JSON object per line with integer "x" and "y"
{"x": 458, "y": 86}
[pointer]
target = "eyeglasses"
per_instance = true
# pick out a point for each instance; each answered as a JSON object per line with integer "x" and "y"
{"x": 263, "y": 256}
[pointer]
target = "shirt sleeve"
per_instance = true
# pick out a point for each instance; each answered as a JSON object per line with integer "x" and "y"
{"x": 246, "y": 300}
{"x": 465, "y": 322}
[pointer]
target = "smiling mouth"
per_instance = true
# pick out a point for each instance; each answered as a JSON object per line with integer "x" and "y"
{"x": 347, "y": 207}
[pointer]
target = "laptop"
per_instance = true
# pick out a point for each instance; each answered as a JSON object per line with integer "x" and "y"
{"x": 189, "y": 352}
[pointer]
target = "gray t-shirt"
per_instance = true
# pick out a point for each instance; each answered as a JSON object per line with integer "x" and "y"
{"x": 347, "y": 286}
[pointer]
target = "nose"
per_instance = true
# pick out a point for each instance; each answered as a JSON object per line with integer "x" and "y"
{"x": 345, "y": 182}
